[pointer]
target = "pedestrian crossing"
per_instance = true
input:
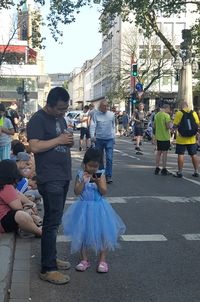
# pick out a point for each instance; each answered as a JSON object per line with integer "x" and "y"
{"x": 126, "y": 199}
{"x": 143, "y": 238}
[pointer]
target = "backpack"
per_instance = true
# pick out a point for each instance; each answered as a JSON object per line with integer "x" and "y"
{"x": 187, "y": 126}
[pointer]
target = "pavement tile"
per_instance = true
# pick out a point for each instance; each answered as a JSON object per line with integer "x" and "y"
{"x": 22, "y": 254}
{"x": 21, "y": 276}
{"x": 18, "y": 300}
{"x": 21, "y": 265}
{"x": 20, "y": 291}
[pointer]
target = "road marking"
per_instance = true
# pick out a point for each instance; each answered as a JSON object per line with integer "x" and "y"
{"x": 112, "y": 200}
{"x": 192, "y": 236}
{"x": 140, "y": 238}
{"x": 126, "y": 199}
{"x": 62, "y": 238}
{"x": 152, "y": 237}
{"x": 126, "y": 154}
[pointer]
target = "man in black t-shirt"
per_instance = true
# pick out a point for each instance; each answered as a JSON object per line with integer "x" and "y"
{"x": 50, "y": 142}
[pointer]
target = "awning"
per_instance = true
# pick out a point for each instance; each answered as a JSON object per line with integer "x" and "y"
{"x": 13, "y": 48}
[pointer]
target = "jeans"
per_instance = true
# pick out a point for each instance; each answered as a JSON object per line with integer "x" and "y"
{"x": 5, "y": 152}
{"x": 107, "y": 145}
{"x": 54, "y": 195}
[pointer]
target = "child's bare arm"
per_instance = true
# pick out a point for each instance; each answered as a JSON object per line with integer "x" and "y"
{"x": 101, "y": 184}
{"x": 79, "y": 185}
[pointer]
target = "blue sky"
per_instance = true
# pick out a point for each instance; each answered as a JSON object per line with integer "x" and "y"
{"x": 81, "y": 41}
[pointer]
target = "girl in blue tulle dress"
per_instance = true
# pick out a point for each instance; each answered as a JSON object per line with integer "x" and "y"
{"x": 91, "y": 222}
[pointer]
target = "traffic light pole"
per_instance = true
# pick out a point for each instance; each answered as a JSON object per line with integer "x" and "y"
{"x": 131, "y": 105}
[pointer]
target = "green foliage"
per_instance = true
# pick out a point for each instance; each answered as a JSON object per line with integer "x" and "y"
{"x": 36, "y": 37}
{"x": 65, "y": 85}
{"x": 145, "y": 12}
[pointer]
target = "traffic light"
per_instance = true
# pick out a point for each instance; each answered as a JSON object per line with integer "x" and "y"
{"x": 134, "y": 70}
{"x": 133, "y": 98}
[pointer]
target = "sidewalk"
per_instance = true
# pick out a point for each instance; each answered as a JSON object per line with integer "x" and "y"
{"x": 7, "y": 246}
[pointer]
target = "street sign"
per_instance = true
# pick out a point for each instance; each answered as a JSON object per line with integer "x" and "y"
{"x": 139, "y": 86}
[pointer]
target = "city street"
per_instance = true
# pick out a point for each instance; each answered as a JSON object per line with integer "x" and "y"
{"x": 159, "y": 256}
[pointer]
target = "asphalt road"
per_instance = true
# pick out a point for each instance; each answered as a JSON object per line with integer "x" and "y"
{"x": 159, "y": 257}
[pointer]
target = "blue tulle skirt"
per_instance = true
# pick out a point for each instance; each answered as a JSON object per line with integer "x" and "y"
{"x": 92, "y": 224}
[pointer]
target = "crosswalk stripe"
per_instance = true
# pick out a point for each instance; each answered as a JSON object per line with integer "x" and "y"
{"x": 140, "y": 238}
{"x": 152, "y": 237}
{"x": 146, "y": 198}
{"x": 111, "y": 200}
{"x": 192, "y": 236}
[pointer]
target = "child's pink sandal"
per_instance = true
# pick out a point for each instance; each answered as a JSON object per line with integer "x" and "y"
{"x": 102, "y": 267}
{"x": 83, "y": 265}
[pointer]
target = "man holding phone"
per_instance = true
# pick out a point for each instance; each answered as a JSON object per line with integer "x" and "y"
{"x": 102, "y": 132}
{"x": 51, "y": 142}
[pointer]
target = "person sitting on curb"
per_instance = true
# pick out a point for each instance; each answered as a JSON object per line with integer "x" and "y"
{"x": 12, "y": 216}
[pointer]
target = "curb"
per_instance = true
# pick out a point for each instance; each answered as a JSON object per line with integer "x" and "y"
{"x": 20, "y": 281}
{"x": 7, "y": 246}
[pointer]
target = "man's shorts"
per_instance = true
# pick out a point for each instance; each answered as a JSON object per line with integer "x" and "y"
{"x": 163, "y": 145}
{"x": 84, "y": 132}
{"x": 8, "y": 222}
{"x": 139, "y": 131}
{"x": 192, "y": 149}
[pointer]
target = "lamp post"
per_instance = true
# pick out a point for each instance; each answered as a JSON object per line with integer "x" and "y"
{"x": 185, "y": 65}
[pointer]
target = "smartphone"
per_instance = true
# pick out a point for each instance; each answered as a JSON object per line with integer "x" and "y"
{"x": 95, "y": 175}
{"x": 98, "y": 175}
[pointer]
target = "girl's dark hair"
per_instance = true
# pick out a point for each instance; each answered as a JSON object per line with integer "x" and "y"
{"x": 92, "y": 154}
{"x": 18, "y": 147}
{"x": 57, "y": 94}
{"x": 14, "y": 142}
{"x": 9, "y": 173}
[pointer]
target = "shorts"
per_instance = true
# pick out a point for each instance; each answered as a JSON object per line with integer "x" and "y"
{"x": 8, "y": 222}
{"x": 120, "y": 127}
{"x": 192, "y": 149}
{"x": 163, "y": 145}
{"x": 84, "y": 132}
{"x": 138, "y": 131}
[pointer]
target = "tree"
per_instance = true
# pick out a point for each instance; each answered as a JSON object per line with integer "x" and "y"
{"x": 154, "y": 62}
{"x": 145, "y": 12}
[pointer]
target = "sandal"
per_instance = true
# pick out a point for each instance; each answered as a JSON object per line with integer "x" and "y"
{"x": 102, "y": 267}
{"x": 83, "y": 265}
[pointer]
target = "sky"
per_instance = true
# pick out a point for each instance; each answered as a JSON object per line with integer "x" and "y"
{"x": 81, "y": 41}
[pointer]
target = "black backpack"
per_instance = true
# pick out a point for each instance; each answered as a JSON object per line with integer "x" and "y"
{"x": 187, "y": 127}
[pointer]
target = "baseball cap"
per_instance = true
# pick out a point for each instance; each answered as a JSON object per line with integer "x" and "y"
{"x": 23, "y": 156}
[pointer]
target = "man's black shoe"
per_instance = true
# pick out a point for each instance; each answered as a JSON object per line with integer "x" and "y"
{"x": 164, "y": 171}
{"x": 80, "y": 148}
{"x": 157, "y": 170}
{"x": 178, "y": 175}
{"x": 195, "y": 174}
{"x": 138, "y": 149}
{"x": 109, "y": 180}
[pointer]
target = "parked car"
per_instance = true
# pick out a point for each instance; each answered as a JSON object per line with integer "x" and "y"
{"x": 73, "y": 118}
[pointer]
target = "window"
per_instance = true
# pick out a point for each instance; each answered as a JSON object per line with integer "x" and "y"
{"x": 143, "y": 51}
{"x": 166, "y": 54}
{"x": 166, "y": 80}
{"x": 156, "y": 52}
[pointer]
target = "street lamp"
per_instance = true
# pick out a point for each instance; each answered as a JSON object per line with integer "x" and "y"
{"x": 185, "y": 64}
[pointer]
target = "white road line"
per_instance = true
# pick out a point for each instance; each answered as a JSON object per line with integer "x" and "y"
{"x": 141, "y": 238}
{"x": 126, "y": 199}
{"x": 152, "y": 237}
{"x": 192, "y": 236}
{"x": 112, "y": 200}
{"x": 126, "y": 154}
